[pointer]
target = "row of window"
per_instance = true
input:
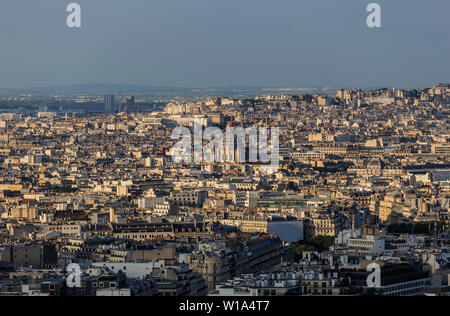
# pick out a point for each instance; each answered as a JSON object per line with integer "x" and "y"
{"x": 405, "y": 286}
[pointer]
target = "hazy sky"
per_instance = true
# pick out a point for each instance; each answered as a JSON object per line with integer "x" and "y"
{"x": 206, "y": 43}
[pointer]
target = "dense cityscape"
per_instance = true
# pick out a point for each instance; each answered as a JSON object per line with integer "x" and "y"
{"x": 92, "y": 202}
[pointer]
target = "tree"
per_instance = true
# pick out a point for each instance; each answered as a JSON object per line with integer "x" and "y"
{"x": 318, "y": 243}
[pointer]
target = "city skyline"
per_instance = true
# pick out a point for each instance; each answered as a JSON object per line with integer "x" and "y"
{"x": 118, "y": 196}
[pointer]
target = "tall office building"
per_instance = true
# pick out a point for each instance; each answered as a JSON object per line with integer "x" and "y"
{"x": 131, "y": 101}
{"x": 109, "y": 103}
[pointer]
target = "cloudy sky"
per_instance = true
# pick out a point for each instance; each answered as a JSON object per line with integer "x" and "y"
{"x": 219, "y": 43}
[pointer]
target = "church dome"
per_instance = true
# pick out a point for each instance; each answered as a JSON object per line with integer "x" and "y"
{"x": 375, "y": 164}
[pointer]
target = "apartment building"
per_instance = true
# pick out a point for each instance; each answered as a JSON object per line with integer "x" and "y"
{"x": 370, "y": 245}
